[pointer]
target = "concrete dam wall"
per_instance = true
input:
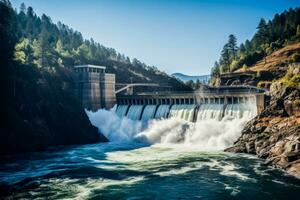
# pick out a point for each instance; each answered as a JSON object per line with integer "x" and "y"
{"x": 95, "y": 89}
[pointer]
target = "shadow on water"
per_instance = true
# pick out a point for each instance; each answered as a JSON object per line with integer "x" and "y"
{"x": 23, "y": 172}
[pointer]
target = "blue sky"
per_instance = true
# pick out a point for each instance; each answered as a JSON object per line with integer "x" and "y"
{"x": 176, "y": 36}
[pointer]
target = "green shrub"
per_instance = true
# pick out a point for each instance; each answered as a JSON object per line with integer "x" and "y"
{"x": 245, "y": 67}
{"x": 297, "y": 103}
{"x": 291, "y": 80}
{"x": 295, "y": 81}
{"x": 295, "y": 57}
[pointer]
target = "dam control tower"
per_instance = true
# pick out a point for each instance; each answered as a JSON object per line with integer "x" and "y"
{"x": 94, "y": 87}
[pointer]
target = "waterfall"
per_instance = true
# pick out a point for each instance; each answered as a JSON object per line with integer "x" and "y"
{"x": 217, "y": 125}
{"x": 240, "y": 110}
{"x": 162, "y": 111}
{"x": 210, "y": 111}
{"x": 135, "y": 112}
{"x": 148, "y": 112}
{"x": 121, "y": 110}
{"x": 183, "y": 111}
{"x": 187, "y": 112}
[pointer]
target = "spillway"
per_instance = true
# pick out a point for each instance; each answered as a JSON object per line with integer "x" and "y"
{"x": 135, "y": 112}
{"x": 149, "y": 112}
{"x": 122, "y": 110}
{"x": 188, "y": 112}
{"x": 210, "y": 111}
{"x": 183, "y": 111}
{"x": 162, "y": 111}
{"x": 241, "y": 110}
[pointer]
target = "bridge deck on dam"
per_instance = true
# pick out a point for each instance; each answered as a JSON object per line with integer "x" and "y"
{"x": 220, "y": 95}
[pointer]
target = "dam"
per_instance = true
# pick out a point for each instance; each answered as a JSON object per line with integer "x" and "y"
{"x": 96, "y": 89}
{"x": 209, "y": 103}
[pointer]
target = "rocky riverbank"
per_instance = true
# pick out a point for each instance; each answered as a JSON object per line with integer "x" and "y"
{"x": 274, "y": 134}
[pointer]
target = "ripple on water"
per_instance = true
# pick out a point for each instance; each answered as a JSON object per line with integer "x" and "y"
{"x": 159, "y": 171}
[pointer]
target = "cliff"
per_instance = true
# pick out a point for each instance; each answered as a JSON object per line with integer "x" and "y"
{"x": 274, "y": 134}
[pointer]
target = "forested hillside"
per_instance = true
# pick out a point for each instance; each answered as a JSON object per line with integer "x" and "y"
{"x": 37, "y": 58}
{"x": 282, "y": 30}
{"x": 37, "y": 107}
{"x": 47, "y": 45}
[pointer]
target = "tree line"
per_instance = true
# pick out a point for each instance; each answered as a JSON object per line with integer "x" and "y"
{"x": 49, "y": 45}
{"x": 270, "y": 36}
{"x": 37, "y": 42}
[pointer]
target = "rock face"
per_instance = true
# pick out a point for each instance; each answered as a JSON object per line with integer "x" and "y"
{"x": 274, "y": 135}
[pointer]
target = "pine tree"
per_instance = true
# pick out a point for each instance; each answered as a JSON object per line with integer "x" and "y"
{"x": 8, "y": 36}
{"x": 128, "y": 60}
{"x": 261, "y": 36}
{"x": 248, "y": 46}
{"x": 225, "y": 58}
{"x": 23, "y": 8}
{"x": 232, "y": 47}
{"x": 24, "y": 51}
{"x": 43, "y": 52}
{"x": 298, "y": 30}
{"x": 215, "y": 70}
{"x": 241, "y": 50}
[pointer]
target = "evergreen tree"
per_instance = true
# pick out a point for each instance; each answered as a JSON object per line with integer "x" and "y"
{"x": 43, "y": 52}
{"x": 128, "y": 60}
{"x": 279, "y": 31}
{"x": 225, "y": 58}
{"x": 8, "y": 31}
{"x": 241, "y": 50}
{"x": 24, "y": 51}
{"x": 23, "y": 8}
{"x": 261, "y": 36}
{"x": 215, "y": 70}
{"x": 298, "y": 30}
{"x": 232, "y": 47}
{"x": 248, "y": 46}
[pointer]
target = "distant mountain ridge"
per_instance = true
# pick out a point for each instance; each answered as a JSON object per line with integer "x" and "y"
{"x": 183, "y": 77}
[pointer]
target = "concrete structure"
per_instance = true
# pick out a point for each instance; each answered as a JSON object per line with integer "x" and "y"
{"x": 96, "y": 89}
{"x": 93, "y": 87}
{"x": 219, "y": 95}
{"x": 129, "y": 87}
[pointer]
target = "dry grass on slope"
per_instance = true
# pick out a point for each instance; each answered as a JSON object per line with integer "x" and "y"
{"x": 275, "y": 60}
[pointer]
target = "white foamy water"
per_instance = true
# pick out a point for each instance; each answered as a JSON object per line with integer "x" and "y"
{"x": 181, "y": 162}
{"x": 115, "y": 128}
{"x": 216, "y": 128}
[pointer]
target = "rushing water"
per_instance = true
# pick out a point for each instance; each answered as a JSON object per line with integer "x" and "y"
{"x": 132, "y": 171}
{"x": 161, "y": 159}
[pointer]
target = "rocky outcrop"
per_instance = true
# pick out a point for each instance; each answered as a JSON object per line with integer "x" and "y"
{"x": 276, "y": 140}
{"x": 274, "y": 134}
{"x": 243, "y": 78}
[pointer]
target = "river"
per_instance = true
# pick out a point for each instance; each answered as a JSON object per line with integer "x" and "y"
{"x": 160, "y": 159}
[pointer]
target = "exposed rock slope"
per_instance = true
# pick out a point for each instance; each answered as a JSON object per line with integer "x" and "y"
{"x": 274, "y": 135}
